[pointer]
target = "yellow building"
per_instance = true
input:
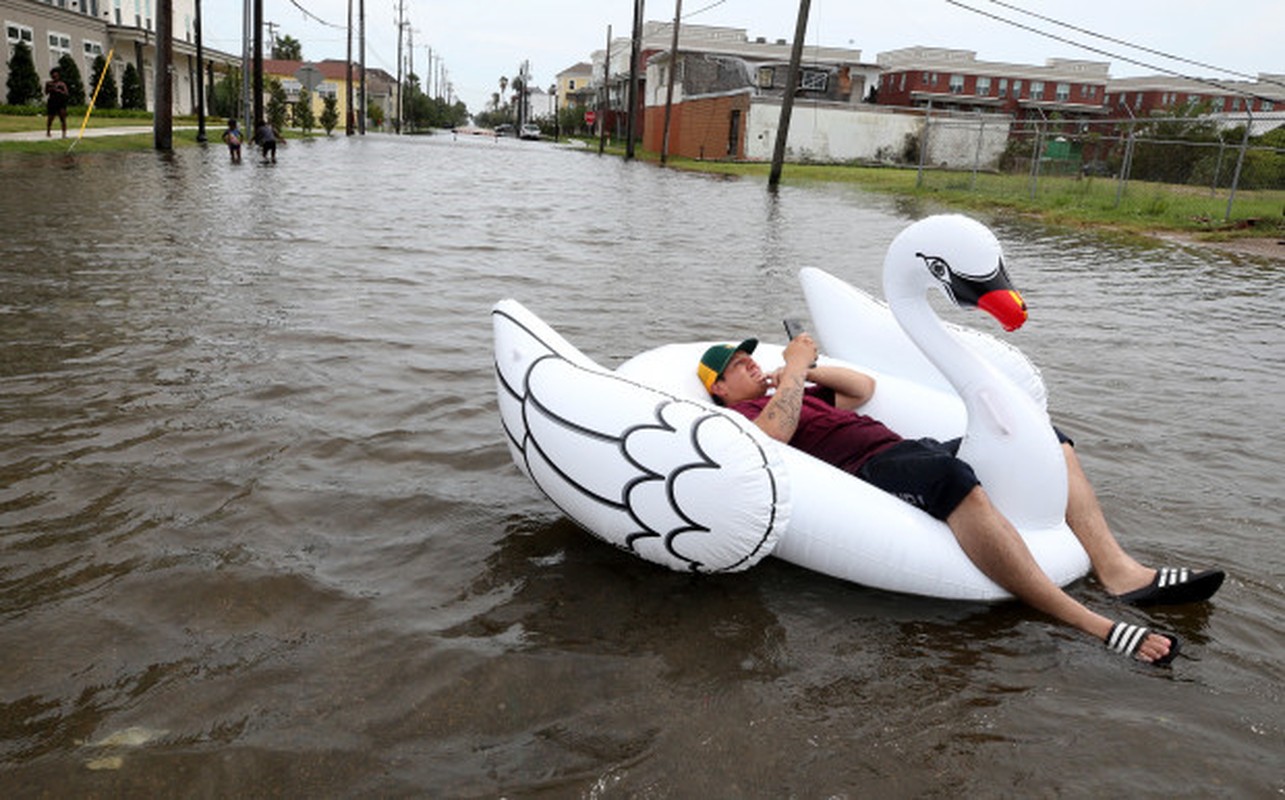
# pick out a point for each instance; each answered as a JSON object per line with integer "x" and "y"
{"x": 380, "y": 86}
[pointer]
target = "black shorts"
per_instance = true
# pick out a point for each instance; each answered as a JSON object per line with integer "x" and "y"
{"x": 926, "y": 473}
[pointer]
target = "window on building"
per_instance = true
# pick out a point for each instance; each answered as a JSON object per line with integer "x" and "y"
{"x": 92, "y": 51}
{"x": 1268, "y": 105}
{"x": 983, "y": 86}
{"x": 1017, "y": 88}
{"x": 1037, "y": 90}
{"x": 18, "y": 33}
{"x": 766, "y": 76}
{"x": 1235, "y": 104}
{"x": 956, "y": 84}
{"x": 902, "y": 88}
{"x": 1063, "y": 92}
{"x": 571, "y": 85}
{"x": 59, "y": 46}
{"x": 812, "y": 80}
{"x": 1003, "y": 87}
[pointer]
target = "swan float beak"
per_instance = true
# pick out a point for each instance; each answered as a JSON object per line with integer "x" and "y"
{"x": 1006, "y": 306}
{"x": 993, "y": 294}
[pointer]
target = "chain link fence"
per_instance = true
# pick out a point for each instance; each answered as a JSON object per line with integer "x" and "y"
{"x": 1217, "y": 171}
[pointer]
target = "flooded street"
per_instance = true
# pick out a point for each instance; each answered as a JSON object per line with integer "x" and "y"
{"x": 261, "y": 535}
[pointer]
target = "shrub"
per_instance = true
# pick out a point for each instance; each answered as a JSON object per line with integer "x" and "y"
{"x": 23, "y": 86}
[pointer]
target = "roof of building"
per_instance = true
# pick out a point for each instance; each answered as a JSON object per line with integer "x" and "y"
{"x": 331, "y": 69}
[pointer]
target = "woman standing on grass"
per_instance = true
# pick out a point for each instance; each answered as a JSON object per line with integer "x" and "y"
{"x": 55, "y": 102}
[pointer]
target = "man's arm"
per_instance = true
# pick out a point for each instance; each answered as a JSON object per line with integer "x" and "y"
{"x": 780, "y": 417}
{"x": 851, "y": 388}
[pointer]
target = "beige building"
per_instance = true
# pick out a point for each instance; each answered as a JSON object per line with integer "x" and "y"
{"x": 86, "y": 29}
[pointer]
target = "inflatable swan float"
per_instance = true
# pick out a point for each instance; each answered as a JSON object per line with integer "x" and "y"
{"x": 642, "y": 458}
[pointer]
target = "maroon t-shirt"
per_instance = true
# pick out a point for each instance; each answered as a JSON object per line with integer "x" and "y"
{"x": 843, "y": 438}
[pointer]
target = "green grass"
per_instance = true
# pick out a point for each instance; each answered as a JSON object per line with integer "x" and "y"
{"x": 93, "y": 144}
{"x": 1099, "y": 202}
{"x": 1141, "y": 207}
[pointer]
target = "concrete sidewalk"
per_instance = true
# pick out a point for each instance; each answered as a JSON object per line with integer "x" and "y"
{"x": 72, "y": 131}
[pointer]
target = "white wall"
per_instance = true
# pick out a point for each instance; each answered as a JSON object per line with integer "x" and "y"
{"x": 834, "y": 133}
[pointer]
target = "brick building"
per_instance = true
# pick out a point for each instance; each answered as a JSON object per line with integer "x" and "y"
{"x": 955, "y": 80}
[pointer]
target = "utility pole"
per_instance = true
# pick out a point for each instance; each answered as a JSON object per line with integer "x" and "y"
{"x": 348, "y": 127}
{"x": 787, "y": 102}
{"x": 163, "y": 112}
{"x": 410, "y": 59}
{"x": 247, "y": 54}
{"x": 401, "y": 26}
{"x": 673, "y": 74}
{"x": 604, "y": 101}
{"x": 200, "y": 78}
{"x": 361, "y": 55}
{"x": 258, "y": 63}
{"x": 272, "y": 38}
{"x": 635, "y": 43}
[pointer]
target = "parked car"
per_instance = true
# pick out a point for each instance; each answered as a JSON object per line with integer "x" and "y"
{"x": 505, "y": 129}
{"x": 530, "y": 131}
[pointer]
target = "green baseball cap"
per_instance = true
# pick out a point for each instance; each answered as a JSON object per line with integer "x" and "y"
{"x": 717, "y": 357}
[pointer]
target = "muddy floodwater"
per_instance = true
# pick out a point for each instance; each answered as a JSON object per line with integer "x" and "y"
{"x": 261, "y": 535}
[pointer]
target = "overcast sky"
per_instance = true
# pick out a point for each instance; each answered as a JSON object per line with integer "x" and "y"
{"x": 480, "y": 41}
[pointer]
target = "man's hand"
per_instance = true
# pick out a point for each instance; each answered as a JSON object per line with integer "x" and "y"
{"x": 802, "y": 348}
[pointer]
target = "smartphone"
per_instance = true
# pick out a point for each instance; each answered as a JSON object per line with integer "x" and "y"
{"x": 793, "y": 327}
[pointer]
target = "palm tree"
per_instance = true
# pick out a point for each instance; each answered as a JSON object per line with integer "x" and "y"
{"x": 504, "y": 84}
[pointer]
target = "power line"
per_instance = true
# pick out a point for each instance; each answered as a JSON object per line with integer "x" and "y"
{"x": 316, "y": 18}
{"x": 1144, "y": 49}
{"x": 1109, "y": 54}
{"x": 714, "y": 4}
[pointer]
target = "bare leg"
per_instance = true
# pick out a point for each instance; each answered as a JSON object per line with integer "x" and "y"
{"x": 991, "y": 542}
{"x": 1118, "y": 571}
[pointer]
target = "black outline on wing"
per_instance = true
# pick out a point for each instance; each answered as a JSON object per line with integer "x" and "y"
{"x": 529, "y": 403}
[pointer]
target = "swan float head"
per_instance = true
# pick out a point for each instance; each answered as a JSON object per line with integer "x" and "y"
{"x": 961, "y": 257}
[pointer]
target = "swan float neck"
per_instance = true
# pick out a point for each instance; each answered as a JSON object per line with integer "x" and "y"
{"x": 1008, "y": 439}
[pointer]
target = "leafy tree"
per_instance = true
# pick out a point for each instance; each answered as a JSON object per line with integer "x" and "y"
{"x": 71, "y": 76}
{"x": 375, "y": 112}
{"x": 24, "y": 85}
{"x": 227, "y": 95}
{"x": 330, "y": 113}
{"x": 131, "y": 89}
{"x": 108, "y": 96}
{"x": 1161, "y": 154}
{"x": 1259, "y": 170}
{"x": 303, "y": 116}
{"x": 288, "y": 48}
{"x": 278, "y": 104}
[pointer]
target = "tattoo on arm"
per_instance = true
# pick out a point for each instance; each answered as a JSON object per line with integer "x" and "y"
{"x": 783, "y": 411}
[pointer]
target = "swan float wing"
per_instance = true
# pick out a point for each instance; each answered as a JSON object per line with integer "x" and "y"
{"x": 677, "y": 482}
